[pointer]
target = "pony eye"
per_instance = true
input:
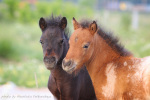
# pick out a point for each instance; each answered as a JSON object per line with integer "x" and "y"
{"x": 61, "y": 41}
{"x": 86, "y": 46}
{"x": 41, "y": 42}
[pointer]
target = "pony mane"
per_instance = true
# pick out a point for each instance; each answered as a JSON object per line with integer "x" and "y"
{"x": 110, "y": 39}
{"x": 55, "y": 21}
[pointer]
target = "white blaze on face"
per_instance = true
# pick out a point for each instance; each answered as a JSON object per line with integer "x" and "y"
{"x": 108, "y": 89}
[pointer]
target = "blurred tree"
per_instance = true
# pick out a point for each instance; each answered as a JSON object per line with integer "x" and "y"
{"x": 12, "y": 7}
{"x": 126, "y": 22}
{"x": 90, "y": 3}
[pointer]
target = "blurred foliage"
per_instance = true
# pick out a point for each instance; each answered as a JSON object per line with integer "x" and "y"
{"x": 12, "y": 11}
{"x": 12, "y": 7}
{"x": 23, "y": 74}
{"x": 21, "y": 52}
{"x": 20, "y": 42}
{"x": 6, "y": 48}
{"x": 30, "y": 13}
{"x": 126, "y": 21}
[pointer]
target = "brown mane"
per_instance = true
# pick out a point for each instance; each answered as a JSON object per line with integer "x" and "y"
{"x": 110, "y": 39}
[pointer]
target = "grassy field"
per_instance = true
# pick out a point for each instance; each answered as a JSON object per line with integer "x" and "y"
{"x": 21, "y": 52}
{"x": 21, "y": 55}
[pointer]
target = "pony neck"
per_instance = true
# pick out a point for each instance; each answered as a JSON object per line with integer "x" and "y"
{"x": 102, "y": 55}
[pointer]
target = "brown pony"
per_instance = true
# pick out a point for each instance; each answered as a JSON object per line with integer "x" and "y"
{"x": 116, "y": 74}
{"x": 54, "y": 41}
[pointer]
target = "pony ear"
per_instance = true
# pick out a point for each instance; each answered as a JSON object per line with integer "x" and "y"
{"x": 93, "y": 28}
{"x": 63, "y": 23}
{"x": 42, "y": 23}
{"x": 75, "y": 24}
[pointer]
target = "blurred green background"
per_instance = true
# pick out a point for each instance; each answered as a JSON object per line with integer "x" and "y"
{"x": 20, "y": 50}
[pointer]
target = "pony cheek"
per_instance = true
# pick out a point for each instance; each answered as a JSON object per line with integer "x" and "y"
{"x": 89, "y": 53}
{"x": 83, "y": 59}
{"x": 60, "y": 53}
{"x": 79, "y": 65}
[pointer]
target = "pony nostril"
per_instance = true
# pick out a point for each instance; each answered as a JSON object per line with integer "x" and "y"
{"x": 67, "y": 63}
{"x": 49, "y": 60}
{"x": 46, "y": 59}
{"x": 52, "y": 59}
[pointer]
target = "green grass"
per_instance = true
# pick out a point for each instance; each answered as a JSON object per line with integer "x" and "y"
{"x": 21, "y": 53}
{"x": 23, "y": 73}
{"x": 19, "y": 42}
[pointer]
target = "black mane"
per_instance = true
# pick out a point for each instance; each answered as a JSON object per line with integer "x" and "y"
{"x": 54, "y": 21}
{"x": 112, "y": 41}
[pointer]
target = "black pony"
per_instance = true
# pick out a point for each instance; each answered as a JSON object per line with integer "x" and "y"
{"x": 54, "y": 42}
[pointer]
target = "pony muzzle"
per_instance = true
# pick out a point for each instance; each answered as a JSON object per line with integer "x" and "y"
{"x": 50, "y": 62}
{"x": 69, "y": 66}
